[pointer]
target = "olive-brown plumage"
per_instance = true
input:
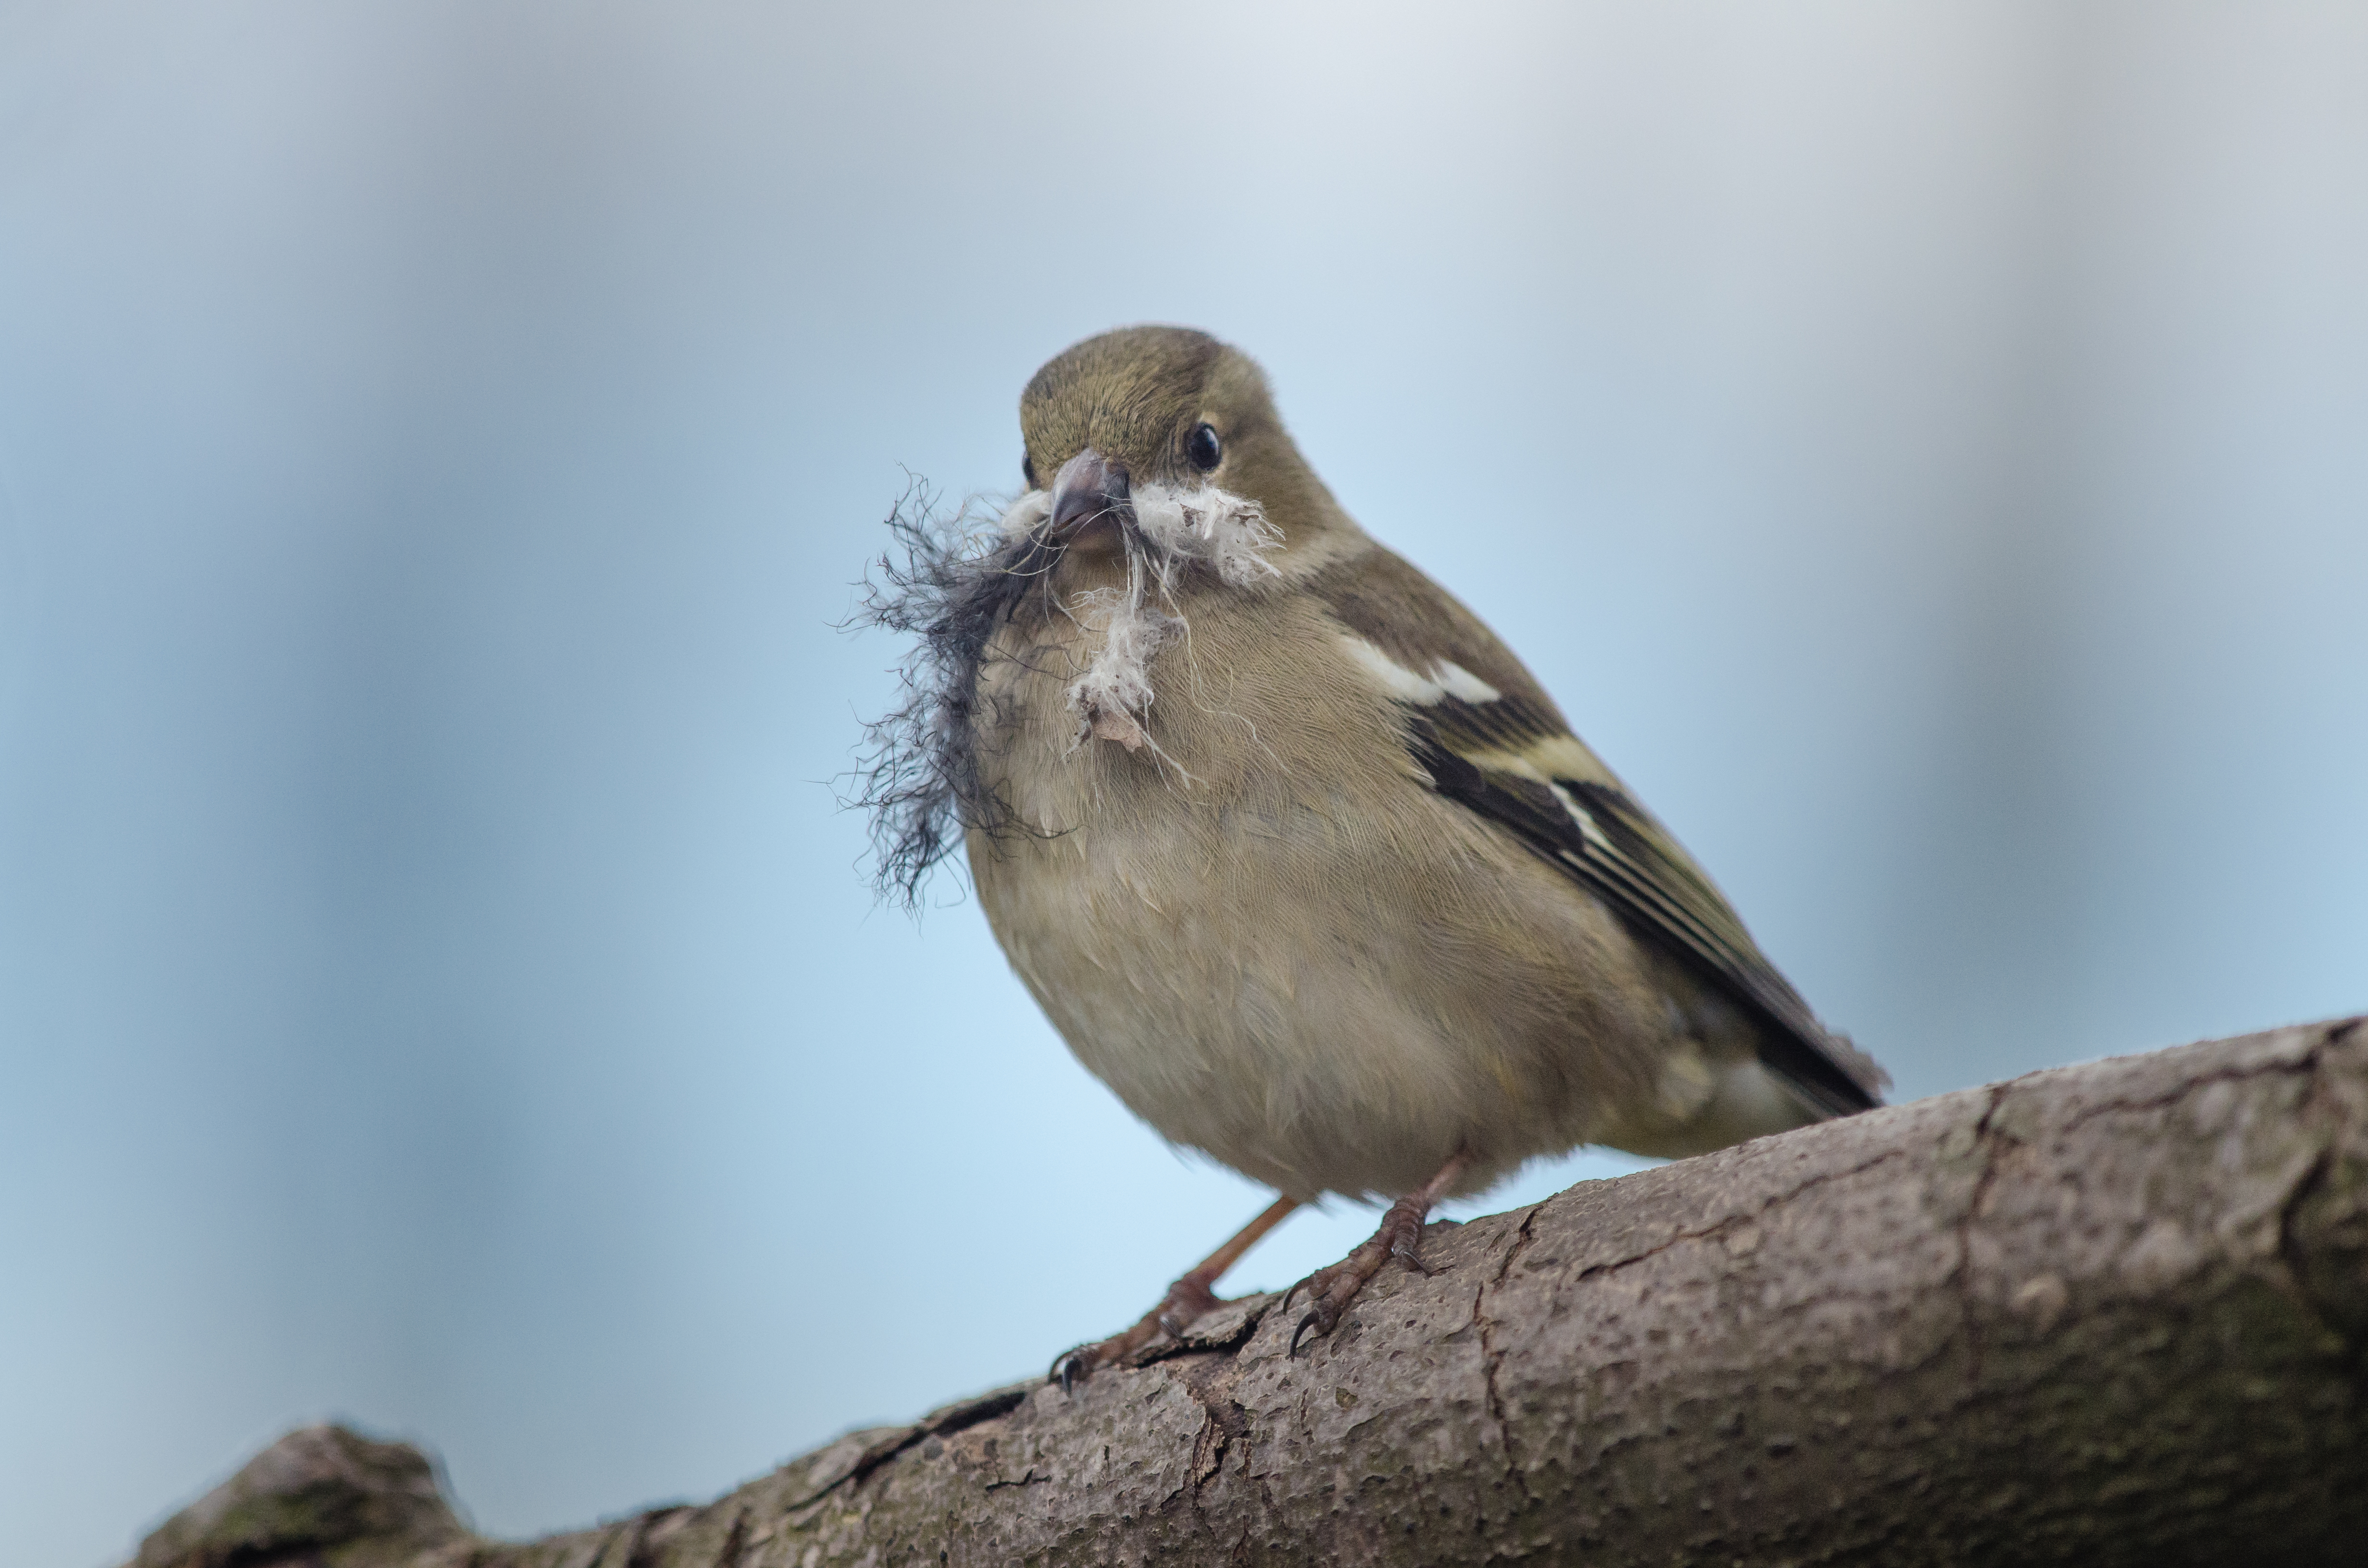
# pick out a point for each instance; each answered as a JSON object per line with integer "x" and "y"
{"x": 1300, "y": 860}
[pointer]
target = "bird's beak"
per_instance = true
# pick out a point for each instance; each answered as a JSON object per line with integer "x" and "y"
{"x": 1090, "y": 489}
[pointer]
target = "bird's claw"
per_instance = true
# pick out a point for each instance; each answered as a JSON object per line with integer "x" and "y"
{"x": 1329, "y": 1291}
{"x": 1188, "y": 1301}
{"x": 1404, "y": 1251}
{"x": 1073, "y": 1369}
{"x": 1332, "y": 1289}
{"x": 1318, "y": 1319}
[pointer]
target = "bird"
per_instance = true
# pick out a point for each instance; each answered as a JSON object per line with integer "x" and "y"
{"x": 1297, "y": 857}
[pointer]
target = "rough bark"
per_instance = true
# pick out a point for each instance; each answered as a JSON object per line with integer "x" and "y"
{"x": 2108, "y": 1313}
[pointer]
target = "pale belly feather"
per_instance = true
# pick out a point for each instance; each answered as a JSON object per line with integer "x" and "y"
{"x": 1274, "y": 956}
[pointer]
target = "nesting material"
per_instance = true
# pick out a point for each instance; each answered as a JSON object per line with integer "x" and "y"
{"x": 952, "y": 583}
{"x": 1111, "y": 698}
{"x": 1214, "y": 527}
{"x": 1170, "y": 530}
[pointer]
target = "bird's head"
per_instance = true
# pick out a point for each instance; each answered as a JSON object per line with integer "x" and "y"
{"x": 1162, "y": 406}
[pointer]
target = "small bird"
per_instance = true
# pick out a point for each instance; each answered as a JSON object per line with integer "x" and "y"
{"x": 1296, "y": 855}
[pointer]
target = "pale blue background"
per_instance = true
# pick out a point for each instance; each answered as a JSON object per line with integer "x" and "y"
{"x": 1922, "y": 446}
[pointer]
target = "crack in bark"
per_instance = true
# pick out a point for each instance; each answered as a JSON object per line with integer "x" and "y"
{"x": 1731, "y": 1220}
{"x": 1521, "y": 1239}
{"x": 957, "y": 1418}
{"x": 2307, "y": 1064}
{"x": 1490, "y": 1355}
{"x": 1225, "y": 1420}
{"x": 1234, "y": 1341}
{"x": 1969, "y": 1318}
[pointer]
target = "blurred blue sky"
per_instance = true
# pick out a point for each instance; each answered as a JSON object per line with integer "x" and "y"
{"x": 1921, "y": 446}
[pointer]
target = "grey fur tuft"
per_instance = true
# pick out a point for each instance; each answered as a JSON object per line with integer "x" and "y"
{"x": 950, "y": 582}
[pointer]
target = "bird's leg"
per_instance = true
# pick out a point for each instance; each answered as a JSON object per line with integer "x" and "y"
{"x": 1399, "y": 1238}
{"x": 1188, "y": 1298}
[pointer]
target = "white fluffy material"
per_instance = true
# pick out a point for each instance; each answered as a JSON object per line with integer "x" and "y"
{"x": 1171, "y": 530}
{"x": 1212, "y": 526}
{"x": 1026, "y": 514}
{"x": 1111, "y": 698}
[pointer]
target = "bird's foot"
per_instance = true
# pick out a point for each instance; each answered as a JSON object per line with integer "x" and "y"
{"x": 1187, "y": 1302}
{"x": 1334, "y": 1287}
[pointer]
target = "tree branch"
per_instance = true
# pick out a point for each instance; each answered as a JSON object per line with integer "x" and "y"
{"x": 2108, "y": 1313}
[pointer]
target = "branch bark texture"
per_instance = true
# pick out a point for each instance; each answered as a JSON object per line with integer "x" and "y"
{"x": 2108, "y": 1313}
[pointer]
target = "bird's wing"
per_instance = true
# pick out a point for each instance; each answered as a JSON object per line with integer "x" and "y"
{"x": 1489, "y": 737}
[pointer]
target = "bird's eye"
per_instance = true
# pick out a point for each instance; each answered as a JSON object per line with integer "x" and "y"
{"x": 1201, "y": 446}
{"x": 1028, "y": 471}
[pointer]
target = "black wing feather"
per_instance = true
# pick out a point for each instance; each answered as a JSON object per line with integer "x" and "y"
{"x": 1512, "y": 760}
{"x": 1627, "y": 862}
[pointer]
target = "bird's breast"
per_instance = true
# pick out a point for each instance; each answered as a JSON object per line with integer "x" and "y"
{"x": 1262, "y": 929}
